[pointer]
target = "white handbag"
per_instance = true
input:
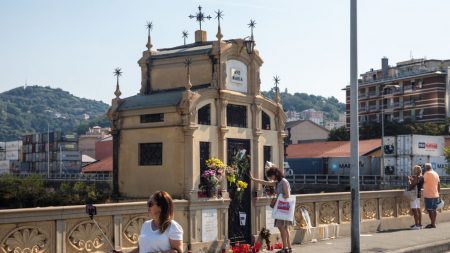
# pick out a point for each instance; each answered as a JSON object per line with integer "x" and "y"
{"x": 440, "y": 204}
{"x": 284, "y": 208}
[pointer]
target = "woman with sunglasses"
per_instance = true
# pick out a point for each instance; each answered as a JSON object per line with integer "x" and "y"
{"x": 161, "y": 234}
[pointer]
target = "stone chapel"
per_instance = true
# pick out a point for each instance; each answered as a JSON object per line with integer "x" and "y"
{"x": 195, "y": 101}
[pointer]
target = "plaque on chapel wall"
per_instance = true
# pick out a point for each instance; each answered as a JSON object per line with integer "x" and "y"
{"x": 209, "y": 225}
{"x": 236, "y": 76}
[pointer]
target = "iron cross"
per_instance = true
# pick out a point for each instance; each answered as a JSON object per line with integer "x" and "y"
{"x": 200, "y": 16}
{"x": 276, "y": 79}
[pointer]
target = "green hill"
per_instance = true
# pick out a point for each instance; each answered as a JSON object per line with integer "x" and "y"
{"x": 302, "y": 101}
{"x": 29, "y": 110}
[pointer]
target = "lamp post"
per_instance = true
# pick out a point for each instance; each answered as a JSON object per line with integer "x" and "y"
{"x": 354, "y": 130}
{"x": 382, "y": 123}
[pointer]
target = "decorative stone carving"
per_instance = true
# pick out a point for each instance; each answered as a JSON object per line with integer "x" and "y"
{"x": 133, "y": 228}
{"x": 403, "y": 207}
{"x": 388, "y": 207}
{"x": 328, "y": 213}
{"x": 299, "y": 220}
{"x": 26, "y": 239}
{"x": 86, "y": 237}
{"x": 346, "y": 212}
{"x": 370, "y": 209}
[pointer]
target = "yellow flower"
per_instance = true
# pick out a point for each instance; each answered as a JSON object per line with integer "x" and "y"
{"x": 242, "y": 184}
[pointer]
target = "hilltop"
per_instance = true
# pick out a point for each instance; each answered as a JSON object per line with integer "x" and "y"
{"x": 28, "y": 110}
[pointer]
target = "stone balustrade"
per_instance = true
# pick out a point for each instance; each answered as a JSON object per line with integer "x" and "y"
{"x": 69, "y": 229}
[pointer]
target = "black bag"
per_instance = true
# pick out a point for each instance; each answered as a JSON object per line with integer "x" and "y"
{"x": 273, "y": 201}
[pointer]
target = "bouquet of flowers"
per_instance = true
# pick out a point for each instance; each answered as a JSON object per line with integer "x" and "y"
{"x": 212, "y": 176}
{"x": 241, "y": 186}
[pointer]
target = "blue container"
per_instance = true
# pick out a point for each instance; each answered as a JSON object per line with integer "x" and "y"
{"x": 306, "y": 165}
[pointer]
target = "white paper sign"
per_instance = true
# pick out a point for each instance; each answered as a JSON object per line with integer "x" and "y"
{"x": 209, "y": 225}
{"x": 270, "y": 222}
{"x": 242, "y": 218}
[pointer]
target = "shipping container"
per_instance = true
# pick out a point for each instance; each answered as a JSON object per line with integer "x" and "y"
{"x": 390, "y": 165}
{"x": 67, "y": 146}
{"x": 69, "y": 137}
{"x": 341, "y": 166}
{"x": 440, "y": 165}
{"x": 306, "y": 165}
{"x": 13, "y": 145}
{"x": 2, "y": 155}
{"x": 2, "y": 146}
{"x": 12, "y": 155}
{"x": 406, "y": 163}
{"x": 68, "y": 156}
{"x": 420, "y": 145}
{"x": 66, "y": 167}
{"x": 9, "y": 167}
{"x": 390, "y": 144}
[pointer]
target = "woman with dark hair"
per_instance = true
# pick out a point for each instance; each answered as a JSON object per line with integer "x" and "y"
{"x": 282, "y": 186}
{"x": 161, "y": 234}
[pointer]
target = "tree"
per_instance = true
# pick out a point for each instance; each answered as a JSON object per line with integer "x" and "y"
{"x": 339, "y": 134}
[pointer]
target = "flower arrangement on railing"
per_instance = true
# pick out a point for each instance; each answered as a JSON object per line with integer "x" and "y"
{"x": 212, "y": 176}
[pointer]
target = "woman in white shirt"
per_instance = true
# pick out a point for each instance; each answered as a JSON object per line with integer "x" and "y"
{"x": 161, "y": 234}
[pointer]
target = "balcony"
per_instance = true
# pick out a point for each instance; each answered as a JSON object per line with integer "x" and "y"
{"x": 409, "y": 103}
{"x": 373, "y": 94}
{"x": 363, "y": 95}
{"x": 373, "y": 108}
{"x": 363, "y": 109}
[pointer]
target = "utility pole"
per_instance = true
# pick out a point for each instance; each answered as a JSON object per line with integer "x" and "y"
{"x": 354, "y": 129}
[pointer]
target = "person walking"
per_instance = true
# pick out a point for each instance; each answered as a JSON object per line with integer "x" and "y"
{"x": 431, "y": 189}
{"x": 161, "y": 234}
{"x": 283, "y": 187}
{"x": 415, "y": 184}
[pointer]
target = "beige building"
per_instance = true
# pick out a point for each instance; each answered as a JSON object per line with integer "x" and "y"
{"x": 303, "y": 131}
{"x": 196, "y": 101}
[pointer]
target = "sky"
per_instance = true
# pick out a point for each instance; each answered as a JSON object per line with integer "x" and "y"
{"x": 75, "y": 45}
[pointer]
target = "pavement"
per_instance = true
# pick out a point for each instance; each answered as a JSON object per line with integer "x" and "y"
{"x": 395, "y": 241}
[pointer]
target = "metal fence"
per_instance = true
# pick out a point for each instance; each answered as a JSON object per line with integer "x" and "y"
{"x": 364, "y": 179}
{"x": 71, "y": 177}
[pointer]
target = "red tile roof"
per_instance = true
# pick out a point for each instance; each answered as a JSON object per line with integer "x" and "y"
{"x": 330, "y": 149}
{"x": 104, "y": 165}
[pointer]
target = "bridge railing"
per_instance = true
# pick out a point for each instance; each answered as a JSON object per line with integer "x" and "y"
{"x": 345, "y": 179}
{"x": 71, "y": 177}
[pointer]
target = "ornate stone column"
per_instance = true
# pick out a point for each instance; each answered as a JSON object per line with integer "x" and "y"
{"x": 190, "y": 172}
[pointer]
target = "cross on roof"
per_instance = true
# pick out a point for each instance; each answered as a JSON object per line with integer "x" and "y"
{"x": 200, "y": 16}
{"x": 219, "y": 15}
{"x": 149, "y": 26}
{"x": 252, "y": 25}
{"x": 276, "y": 79}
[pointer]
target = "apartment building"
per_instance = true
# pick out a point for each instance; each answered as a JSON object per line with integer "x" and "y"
{"x": 416, "y": 90}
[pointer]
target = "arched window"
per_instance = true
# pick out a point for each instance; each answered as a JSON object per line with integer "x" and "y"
{"x": 265, "y": 121}
{"x": 204, "y": 115}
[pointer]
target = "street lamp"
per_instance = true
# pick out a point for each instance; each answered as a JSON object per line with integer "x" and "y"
{"x": 382, "y": 123}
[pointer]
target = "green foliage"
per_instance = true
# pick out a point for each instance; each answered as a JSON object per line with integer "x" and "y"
{"x": 339, "y": 134}
{"x": 27, "y": 111}
{"x": 302, "y": 101}
{"x": 373, "y": 129}
{"x": 32, "y": 191}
